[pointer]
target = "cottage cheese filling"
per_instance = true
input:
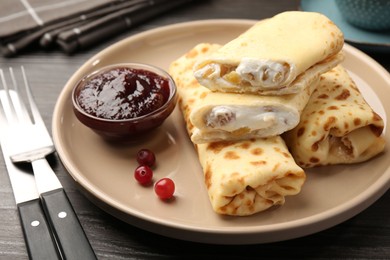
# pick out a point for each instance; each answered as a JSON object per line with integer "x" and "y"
{"x": 263, "y": 73}
{"x": 250, "y": 72}
{"x": 231, "y": 118}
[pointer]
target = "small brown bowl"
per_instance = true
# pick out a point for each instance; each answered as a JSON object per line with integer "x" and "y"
{"x": 123, "y": 128}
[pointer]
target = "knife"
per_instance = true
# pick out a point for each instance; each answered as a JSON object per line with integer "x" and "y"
{"x": 39, "y": 239}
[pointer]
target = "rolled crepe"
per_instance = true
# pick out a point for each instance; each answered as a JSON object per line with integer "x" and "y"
{"x": 277, "y": 56}
{"x": 241, "y": 177}
{"x": 229, "y": 116}
{"x": 337, "y": 126}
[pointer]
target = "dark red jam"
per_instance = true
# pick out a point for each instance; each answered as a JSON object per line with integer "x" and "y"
{"x": 123, "y": 93}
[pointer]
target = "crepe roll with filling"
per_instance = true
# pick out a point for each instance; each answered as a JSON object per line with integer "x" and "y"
{"x": 277, "y": 56}
{"x": 337, "y": 126}
{"x": 229, "y": 116}
{"x": 241, "y": 177}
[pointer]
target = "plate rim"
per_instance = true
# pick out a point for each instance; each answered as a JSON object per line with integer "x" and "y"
{"x": 381, "y": 184}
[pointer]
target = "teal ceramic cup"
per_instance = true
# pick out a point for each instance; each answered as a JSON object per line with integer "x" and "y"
{"x": 366, "y": 14}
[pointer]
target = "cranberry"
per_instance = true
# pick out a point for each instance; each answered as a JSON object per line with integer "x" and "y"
{"x": 143, "y": 174}
{"x": 164, "y": 188}
{"x": 146, "y": 157}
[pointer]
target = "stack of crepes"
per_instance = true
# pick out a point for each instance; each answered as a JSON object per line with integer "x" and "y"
{"x": 238, "y": 99}
{"x": 242, "y": 176}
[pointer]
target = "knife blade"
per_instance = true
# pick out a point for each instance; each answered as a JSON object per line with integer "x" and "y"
{"x": 40, "y": 241}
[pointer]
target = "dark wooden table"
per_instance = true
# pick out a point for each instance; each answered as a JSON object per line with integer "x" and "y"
{"x": 365, "y": 236}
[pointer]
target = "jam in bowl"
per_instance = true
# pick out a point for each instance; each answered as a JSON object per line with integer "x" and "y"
{"x": 123, "y": 100}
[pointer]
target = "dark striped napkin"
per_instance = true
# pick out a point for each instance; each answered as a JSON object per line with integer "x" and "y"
{"x": 71, "y": 24}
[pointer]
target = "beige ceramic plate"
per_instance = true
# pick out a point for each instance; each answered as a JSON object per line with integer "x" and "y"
{"x": 104, "y": 171}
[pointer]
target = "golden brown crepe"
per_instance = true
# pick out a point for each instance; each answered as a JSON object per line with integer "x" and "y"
{"x": 242, "y": 177}
{"x": 337, "y": 126}
{"x": 277, "y": 56}
{"x": 230, "y": 116}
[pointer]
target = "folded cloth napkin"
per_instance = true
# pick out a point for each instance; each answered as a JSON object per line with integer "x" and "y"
{"x": 71, "y": 24}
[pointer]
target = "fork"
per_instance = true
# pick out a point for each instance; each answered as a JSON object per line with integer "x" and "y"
{"x": 31, "y": 143}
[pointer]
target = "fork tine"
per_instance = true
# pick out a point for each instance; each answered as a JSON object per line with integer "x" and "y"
{"x": 22, "y": 114}
{"x": 11, "y": 72}
{"x": 2, "y": 113}
{"x": 7, "y": 101}
{"x": 12, "y": 105}
{"x": 33, "y": 106}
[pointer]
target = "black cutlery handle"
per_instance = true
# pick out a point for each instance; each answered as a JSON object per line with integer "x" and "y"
{"x": 66, "y": 226}
{"x": 37, "y": 234}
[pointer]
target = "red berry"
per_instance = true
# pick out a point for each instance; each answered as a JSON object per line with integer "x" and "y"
{"x": 143, "y": 174}
{"x": 146, "y": 157}
{"x": 164, "y": 188}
